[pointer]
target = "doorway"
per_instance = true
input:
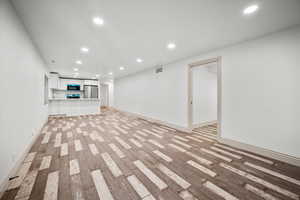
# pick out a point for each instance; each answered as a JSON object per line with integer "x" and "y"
{"x": 104, "y": 96}
{"x": 204, "y": 97}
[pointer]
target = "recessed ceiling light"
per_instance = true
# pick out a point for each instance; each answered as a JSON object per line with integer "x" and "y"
{"x": 171, "y": 46}
{"x": 139, "y": 60}
{"x": 122, "y": 68}
{"x": 75, "y": 69}
{"x": 78, "y": 62}
{"x": 110, "y": 73}
{"x": 250, "y": 9}
{"x": 98, "y": 21}
{"x": 84, "y": 49}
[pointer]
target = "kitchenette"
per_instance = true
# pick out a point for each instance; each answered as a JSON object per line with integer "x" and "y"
{"x": 69, "y": 96}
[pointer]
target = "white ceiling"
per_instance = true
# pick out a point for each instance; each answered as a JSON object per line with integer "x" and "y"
{"x": 142, "y": 28}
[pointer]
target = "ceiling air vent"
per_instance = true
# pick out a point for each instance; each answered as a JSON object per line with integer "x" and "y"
{"x": 159, "y": 69}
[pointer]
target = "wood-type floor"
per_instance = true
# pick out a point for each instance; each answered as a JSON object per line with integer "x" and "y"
{"x": 209, "y": 129}
{"x": 117, "y": 157}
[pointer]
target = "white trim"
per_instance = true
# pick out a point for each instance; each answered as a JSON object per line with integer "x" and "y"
{"x": 179, "y": 128}
{"x": 262, "y": 151}
{"x": 217, "y": 60}
{"x": 15, "y": 168}
{"x": 204, "y": 124}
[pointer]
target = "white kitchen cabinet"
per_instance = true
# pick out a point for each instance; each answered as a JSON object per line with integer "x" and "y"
{"x": 91, "y": 82}
{"x": 74, "y": 107}
{"x": 53, "y": 81}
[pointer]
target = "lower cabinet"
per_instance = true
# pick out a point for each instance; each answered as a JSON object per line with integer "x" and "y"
{"x": 74, "y": 107}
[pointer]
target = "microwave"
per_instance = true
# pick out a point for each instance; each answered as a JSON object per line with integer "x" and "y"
{"x": 73, "y": 87}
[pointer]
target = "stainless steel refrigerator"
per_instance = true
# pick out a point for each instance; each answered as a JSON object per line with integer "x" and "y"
{"x": 90, "y": 91}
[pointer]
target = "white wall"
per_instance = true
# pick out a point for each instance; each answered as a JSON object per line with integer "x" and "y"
{"x": 160, "y": 96}
{"x": 260, "y": 92}
{"x": 104, "y": 95}
{"x": 111, "y": 94}
{"x": 110, "y": 84}
{"x": 22, "y": 113}
{"x": 204, "y": 91}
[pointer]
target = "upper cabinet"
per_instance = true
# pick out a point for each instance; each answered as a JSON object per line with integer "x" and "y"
{"x": 56, "y": 82}
{"x": 91, "y": 82}
{"x": 53, "y": 81}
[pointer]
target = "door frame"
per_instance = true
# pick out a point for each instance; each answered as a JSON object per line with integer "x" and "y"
{"x": 217, "y": 60}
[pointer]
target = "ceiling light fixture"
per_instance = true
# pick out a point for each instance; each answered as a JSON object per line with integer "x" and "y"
{"x": 122, "y": 68}
{"x": 84, "y": 49}
{"x": 78, "y": 62}
{"x": 171, "y": 46}
{"x": 110, "y": 73}
{"x": 139, "y": 60}
{"x": 250, "y": 9}
{"x": 98, "y": 21}
{"x": 75, "y": 69}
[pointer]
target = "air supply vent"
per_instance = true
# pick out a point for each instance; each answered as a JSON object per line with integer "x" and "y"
{"x": 159, "y": 69}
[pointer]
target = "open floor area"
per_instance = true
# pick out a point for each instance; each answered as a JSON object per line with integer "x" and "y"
{"x": 150, "y": 100}
{"x": 116, "y": 156}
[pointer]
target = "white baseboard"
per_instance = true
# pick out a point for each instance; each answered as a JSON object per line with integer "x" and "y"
{"x": 179, "y": 128}
{"x": 20, "y": 160}
{"x": 262, "y": 151}
{"x": 204, "y": 124}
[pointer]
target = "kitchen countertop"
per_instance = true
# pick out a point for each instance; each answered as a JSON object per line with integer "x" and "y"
{"x": 80, "y": 99}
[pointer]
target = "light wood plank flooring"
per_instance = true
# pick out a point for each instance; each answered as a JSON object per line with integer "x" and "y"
{"x": 117, "y": 157}
{"x": 209, "y": 129}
